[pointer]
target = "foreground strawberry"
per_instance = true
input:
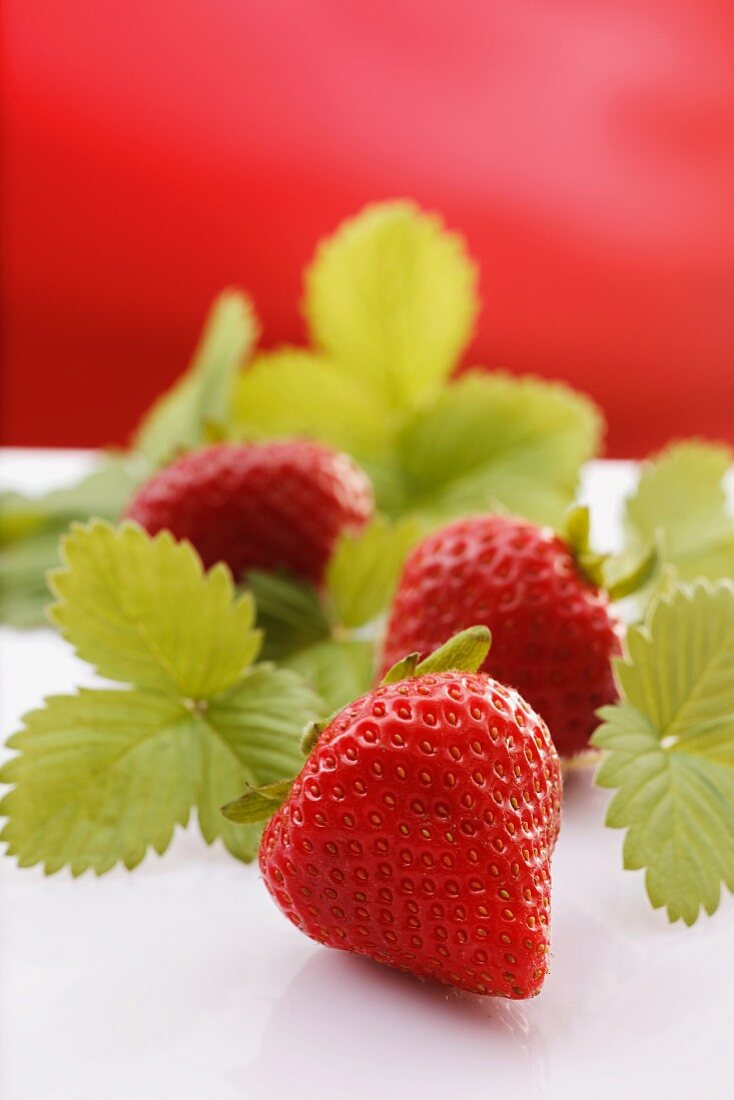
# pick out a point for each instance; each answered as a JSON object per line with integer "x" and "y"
{"x": 266, "y": 506}
{"x": 554, "y": 632}
{"x": 420, "y": 831}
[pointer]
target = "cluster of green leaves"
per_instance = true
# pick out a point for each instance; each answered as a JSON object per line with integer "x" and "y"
{"x": 391, "y": 303}
{"x": 102, "y": 775}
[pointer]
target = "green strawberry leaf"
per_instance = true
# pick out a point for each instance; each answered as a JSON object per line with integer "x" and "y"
{"x": 465, "y": 652}
{"x": 254, "y": 738}
{"x": 392, "y": 299}
{"x": 492, "y": 441}
{"x": 294, "y": 392}
{"x": 258, "y": 804}
{"x": 670, "y": 749}
{"x": 142, "y": 611}
{"x": 30, "y": 528}
{"x": 364, "y": 570}
{"x": 681, "y": 498}
{"x": 102, "y": 776}
{"x": 289, "y": 612}
{"x": 180, "y": 419}
{"x": 339, "y": 671}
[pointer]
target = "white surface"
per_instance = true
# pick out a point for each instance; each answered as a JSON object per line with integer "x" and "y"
{"x": 181, "y": 980}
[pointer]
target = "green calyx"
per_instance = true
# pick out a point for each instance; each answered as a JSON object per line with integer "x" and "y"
{"x": 620, "y": 574}
{"x": 403, "y": 669}
{"x": 465, "y": 652}
{"x": 577, "y": 533}
{"x": 258, "y": 803}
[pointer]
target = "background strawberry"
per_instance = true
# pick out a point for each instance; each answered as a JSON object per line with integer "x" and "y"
{"x": 420, "y": 831}
{"x": 554, "y": 633}
{"x": 267, "y": 506}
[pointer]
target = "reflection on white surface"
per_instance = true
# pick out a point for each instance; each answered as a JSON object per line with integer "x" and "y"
{"x": 182, "y": 980}
{"x": 363, "y": 1025}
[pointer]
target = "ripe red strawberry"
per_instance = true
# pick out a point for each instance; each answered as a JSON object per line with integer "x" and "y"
{"x": 258, "y": 506}
{"x": 554, "y": 633}
{"x": 420, "y": 831}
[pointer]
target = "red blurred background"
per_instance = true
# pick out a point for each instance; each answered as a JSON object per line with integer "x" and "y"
{"x": 156, "y": 151}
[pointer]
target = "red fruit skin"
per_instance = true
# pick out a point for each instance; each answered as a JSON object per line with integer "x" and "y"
{"x": 553, "y": 633}
{"x": 420, "y": 831}
{"x": 258, "y": 506}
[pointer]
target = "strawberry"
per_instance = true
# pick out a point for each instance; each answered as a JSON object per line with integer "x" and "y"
{"x": 267, "y": 506}
{"x": 554, "y": 632}
{"x": 420, "y": 830}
